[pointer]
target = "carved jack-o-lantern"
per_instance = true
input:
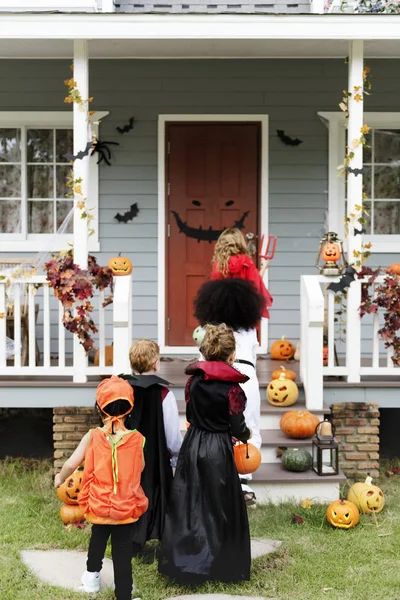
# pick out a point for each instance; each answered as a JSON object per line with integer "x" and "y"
{"x": 282, "y": 349}
{"x": 330, "y": 252}
{"x": 282, "y": 391}
{"x": 325, "y": 358}
{"x": 367, "y": 497}
{"x": 342, "y": 514}
{"x": 68, "y": 492}
{"x": 120, "y": 265}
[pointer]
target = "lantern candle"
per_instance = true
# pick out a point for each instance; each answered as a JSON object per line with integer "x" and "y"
{"x": 325, "y": 429}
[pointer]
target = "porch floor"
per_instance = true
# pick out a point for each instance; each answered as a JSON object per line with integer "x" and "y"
{"x": 173, "y": 370}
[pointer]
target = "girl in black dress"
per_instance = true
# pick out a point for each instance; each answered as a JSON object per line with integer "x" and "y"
{"x": 206, "y": 535}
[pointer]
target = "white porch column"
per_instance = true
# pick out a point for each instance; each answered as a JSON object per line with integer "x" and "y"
{"x": 354, "y": 197}
{"x": 81, "y": 171}
{"x": 107, "y": 6}
{"x": 316, "y": 6}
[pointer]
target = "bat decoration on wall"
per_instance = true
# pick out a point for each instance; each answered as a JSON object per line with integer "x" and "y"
{"x": 103, "y": 150}
{"x": 205, "y": 235}
{"x": 287, "y": 140}
{"x": 356, "y": 171}
{"x": 81, "y": 154}
{"x": 344, "y": 282}
{"x": 126, "y": 128}
{"x": 361, "y": 231}
{"x": 128, "y": 216}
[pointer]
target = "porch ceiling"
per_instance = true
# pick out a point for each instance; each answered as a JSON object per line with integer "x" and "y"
{"x": 201, "y": 48}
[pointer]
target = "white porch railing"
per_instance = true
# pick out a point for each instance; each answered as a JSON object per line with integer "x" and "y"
{"x": 32, "y": 317}
{"x": 51, "y": 5}
{"x": 319, "y": 318}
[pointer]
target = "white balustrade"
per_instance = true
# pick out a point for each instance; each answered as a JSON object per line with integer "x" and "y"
{"x": 312, "y": 324}
{"x": 32, "y": 316}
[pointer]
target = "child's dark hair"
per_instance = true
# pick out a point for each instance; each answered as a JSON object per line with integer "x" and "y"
{"x": 218, "y": 343}
{"x": 233, "y": 301}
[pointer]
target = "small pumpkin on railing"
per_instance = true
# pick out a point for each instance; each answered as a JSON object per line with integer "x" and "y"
{"x": 120, "y": 265}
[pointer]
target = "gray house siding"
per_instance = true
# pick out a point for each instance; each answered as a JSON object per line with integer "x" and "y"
{"x": 291, "y": 92}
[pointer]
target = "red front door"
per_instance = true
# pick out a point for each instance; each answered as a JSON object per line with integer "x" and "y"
{"x": 212, "y": 183}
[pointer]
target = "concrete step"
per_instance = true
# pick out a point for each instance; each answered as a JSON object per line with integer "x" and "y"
{"x": 272, "y": 483}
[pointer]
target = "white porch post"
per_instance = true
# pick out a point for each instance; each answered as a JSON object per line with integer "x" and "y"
{"x": 354, "y": 197}
{"x": 81, "y": 171}
{"x": 108, "y": 6}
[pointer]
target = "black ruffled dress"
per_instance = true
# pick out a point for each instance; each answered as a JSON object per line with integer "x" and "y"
{"x": 206, "y": 535}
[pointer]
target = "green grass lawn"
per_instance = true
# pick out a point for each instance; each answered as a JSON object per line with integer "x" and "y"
{"x": 315, "y": 561}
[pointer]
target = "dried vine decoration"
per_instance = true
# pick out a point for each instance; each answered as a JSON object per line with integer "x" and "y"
{"x": 74, "y": 287}
{"x": 386, "y": 296}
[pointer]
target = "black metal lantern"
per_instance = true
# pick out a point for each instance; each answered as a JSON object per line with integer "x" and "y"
{"x": 325, "y": 450}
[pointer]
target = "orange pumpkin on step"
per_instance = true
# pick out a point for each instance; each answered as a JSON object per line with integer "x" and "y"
{"x": 282, "y": 349}
{"x": 71, "y": 514}
{"x": 299, "y": 424}
{"x": 68, "y": 492}
{"x": 247, "y": 458}
{"x": 288, "y": 374}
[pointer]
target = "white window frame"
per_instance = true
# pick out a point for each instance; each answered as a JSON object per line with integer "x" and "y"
{"x": 52, "y": 242}
{"x": 336, "y": 123}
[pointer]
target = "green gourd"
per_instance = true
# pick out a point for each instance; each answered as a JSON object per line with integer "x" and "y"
{"x": 295, "y": 459}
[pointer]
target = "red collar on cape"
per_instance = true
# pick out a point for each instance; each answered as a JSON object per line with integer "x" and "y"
{"x": 217, "y": 369}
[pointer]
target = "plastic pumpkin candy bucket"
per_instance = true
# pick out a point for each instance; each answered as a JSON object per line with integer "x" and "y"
{"x": 247, "y": 458}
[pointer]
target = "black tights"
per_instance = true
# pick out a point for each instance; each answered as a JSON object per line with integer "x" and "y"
{"x": 121, "y": 549}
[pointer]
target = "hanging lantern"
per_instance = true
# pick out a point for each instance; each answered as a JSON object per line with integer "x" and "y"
{"x": 331, "y": 251}
{"x": 325, "y": 450}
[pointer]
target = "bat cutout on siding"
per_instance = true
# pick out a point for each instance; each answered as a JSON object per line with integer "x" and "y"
{"x": 81, "y": 154}
{"x": 361, "y": 231}
{"x": 126, "y": 128}
{"x": 205, "y": 235}
{"x": 129, "y": 215}
{"x": 344, "y": 282}
{"x": 287, "y": 140}
{"x": 356, "y": 172}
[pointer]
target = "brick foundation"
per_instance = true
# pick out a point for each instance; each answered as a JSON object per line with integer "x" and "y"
{"x": 70, "y": 423}
{"x": 357, "y": 431}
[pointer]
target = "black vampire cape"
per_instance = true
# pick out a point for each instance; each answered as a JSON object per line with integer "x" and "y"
{"x": 147, "y": 417}
{"x": 206, "y": 534}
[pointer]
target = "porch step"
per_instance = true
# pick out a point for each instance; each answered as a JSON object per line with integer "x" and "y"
{"x": 272, "y": 483}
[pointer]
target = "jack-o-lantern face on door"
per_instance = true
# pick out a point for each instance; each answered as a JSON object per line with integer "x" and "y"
{"x": 120, "y": 265}
{"x": 282, "y": 349}
{"x": 68, "y": 492}
{"x": 342, "y": 514}
{"x": 282, "y": 392}
{"x": 330, "y": 252}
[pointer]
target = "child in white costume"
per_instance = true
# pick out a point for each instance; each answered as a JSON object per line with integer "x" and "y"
{"x": 237, "y": 303}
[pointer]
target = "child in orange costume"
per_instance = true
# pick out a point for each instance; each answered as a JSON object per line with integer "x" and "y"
{"x": 111, "y": 493}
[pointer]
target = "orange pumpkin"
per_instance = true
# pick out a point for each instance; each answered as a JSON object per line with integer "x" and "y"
{"x": 72, "y": 514}
{"x": 394, "y": 269}
{"x": 68, "y": 492}
{"x": 247, "y": 458}
{"x": 120, "y": 265}
{"x": 325, "y": 356}
{"x": 330, "y": 252}
{"x": 282, "y": 349}
{"x": 342, "y": 514}
{"x": 288, "y": 374}
{"x": 108, "y": 357}
{"x": 299, "y": 424}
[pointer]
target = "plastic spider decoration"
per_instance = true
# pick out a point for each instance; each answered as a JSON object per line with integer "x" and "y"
{"x": 102, "y": 148}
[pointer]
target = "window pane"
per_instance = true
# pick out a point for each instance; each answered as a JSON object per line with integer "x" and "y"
{"x": 10, "y": 145}
{"x": 64, "y": 144}
{"x": 40, "y": 217}
{"x": 367, "y": 217}
{"x": 387, "y": 145}
{"x": 386, "y": 218}
{"x": 367, "y": 150}
{"x": 64, "y": 207}
{"x": 40, "y": 182}
{"x": 61, "y": 179}
{"x": 387, "y": 182}
{"x": 40, "y": 145}
{"x": 10, "y": 181}
{"x": 10, "y": 216}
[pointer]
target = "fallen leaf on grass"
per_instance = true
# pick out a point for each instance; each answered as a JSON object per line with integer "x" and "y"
{"x": 306, "y": 503}
{"x": 296, "y": 519}
{"x": 326, "y": 589}
{"x": 391, "y": 472}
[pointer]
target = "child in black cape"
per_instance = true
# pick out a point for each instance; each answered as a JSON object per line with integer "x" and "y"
{"x": 206, "y": 534}
{"x": 155, "y": 415}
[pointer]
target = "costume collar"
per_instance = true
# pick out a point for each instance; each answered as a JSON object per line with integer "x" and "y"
{"x": 217, "y": 369}
{"x": 145, "y": 381}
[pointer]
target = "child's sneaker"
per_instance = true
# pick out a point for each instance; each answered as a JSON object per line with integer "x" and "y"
{"x": 91, "y": 581}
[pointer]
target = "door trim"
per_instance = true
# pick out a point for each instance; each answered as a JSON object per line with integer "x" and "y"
{"x": 162, "y": 224}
